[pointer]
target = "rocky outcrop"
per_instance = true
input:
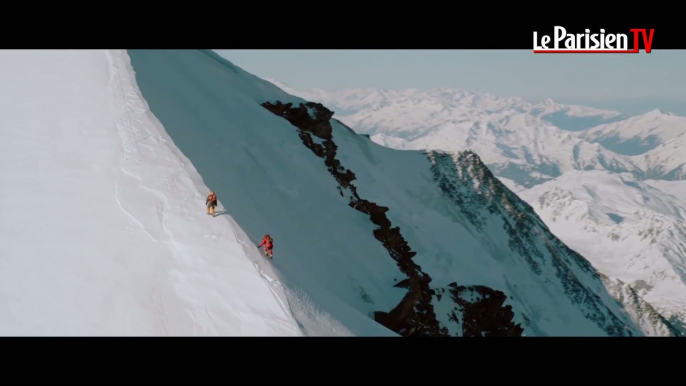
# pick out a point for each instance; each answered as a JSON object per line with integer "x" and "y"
{"x": 414, "y": 315}
{"x": 485, "y": 314}
{"x": 476, "y": 192}
{"x": 641, "y": 312}
{"x": 308, "y": 117}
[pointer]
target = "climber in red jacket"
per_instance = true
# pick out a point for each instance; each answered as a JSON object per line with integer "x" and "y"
{"x": 268, "y": 243}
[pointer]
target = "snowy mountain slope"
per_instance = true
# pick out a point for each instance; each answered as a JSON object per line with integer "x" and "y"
{"x": 573, "y": 117}
{"x": 511, "y": 135}
{"x": 655, "y": 140}
{"x": 268, "y": 184}
{"x": 641, "y": 312}
{"x": 639, "y": 134}
{"x": 513, "y": 186}
{"x": 628, "y": 229}
{"x": 667, "y": 161}
{"x": 516, "y": 146}
{"x": 369, "y": 233}
{"x": 675, "y": 188}
{"x": 103, "y": 228}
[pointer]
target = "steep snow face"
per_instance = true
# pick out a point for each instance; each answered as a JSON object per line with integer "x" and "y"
{"x": 628, "y": 229}
{"x": 324, "y": 257}
{"x": 513, "y": 137}
{"x": 103, "y": 229}
{"x": 421, "y": 243}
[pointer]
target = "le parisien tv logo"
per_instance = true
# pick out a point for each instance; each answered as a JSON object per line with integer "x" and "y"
{"x": 596, "y": 43}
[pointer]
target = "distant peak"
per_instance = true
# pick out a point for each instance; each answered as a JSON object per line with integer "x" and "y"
{"x": 656, "y": 112}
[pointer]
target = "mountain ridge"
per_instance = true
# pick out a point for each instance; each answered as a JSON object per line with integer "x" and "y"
{"x": 529, "y": 143}
{"x": 629, "y": 229}
{"x": 515, "y": 137}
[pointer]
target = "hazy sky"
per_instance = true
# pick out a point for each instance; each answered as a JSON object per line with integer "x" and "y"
{"x": 644, "y": 81}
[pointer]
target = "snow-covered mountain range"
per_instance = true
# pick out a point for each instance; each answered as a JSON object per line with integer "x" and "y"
{"x": 115, "y": 152}
{"x": 632, "y": 230}
{"x": 515, "y": 138}
{"x": 610, "y": 186}
{"x": 655, "y": 141}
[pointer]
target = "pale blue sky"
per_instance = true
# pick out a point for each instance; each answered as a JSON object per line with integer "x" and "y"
{"x": 631, "y": 83}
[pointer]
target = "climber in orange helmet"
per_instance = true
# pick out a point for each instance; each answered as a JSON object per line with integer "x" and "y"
{"x": 211, "y": 202}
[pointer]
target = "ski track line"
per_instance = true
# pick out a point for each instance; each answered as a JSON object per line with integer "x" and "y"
{"x": 116, "y": 197}
{"x": 212, "y": 323}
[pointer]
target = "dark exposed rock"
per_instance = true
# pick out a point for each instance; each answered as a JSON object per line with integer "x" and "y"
{"x": 459, "y": 173}
{"x": 401, "y": 318}
{"x": 414, "y": 315}
{"x": 311, "y": 117}
{"x": 485, "y": 314}
{"x": 404, "y": 283}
